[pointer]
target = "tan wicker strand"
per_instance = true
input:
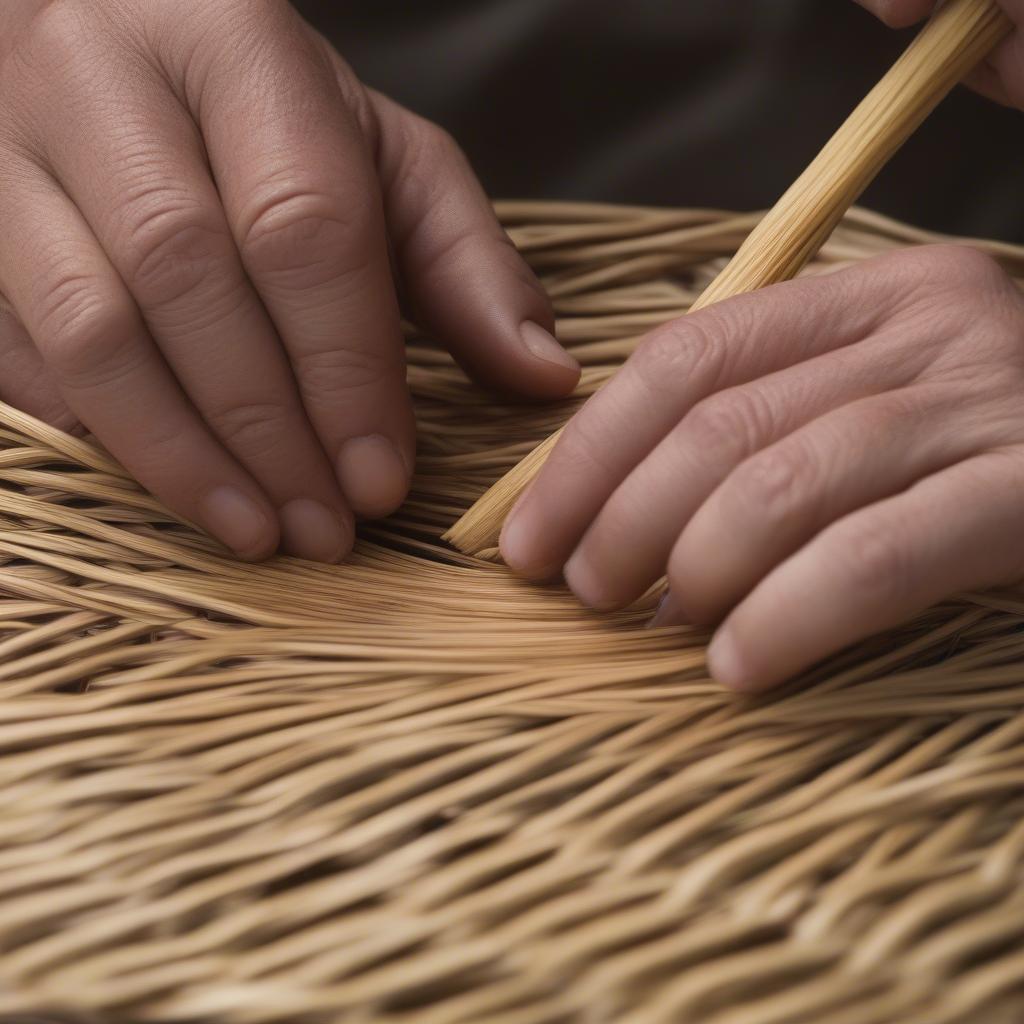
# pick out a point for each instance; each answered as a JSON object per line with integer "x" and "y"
{"x": 413, "y": 788}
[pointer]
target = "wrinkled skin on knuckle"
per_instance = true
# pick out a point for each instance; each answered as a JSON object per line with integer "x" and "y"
{"x": 944, "y": 313}
{"x": 872, "y": 558}
{"x": 69, "y": 300}
{"x": 50, "y": 51}
{"x": 972, "y": 316}
{"x": 22, "y": 383}
{"x": 423, "y": 145}
{"x": 184, "y": 46}
{"x": 47, "y": 29}
{"x": 934, "y": 269}
{"x": 68, "y": 35}
{"x": 200, "y": 45}
{"x": 901, "y": 284}
{"x": 357, "y": 99}
{"x": 987, "y": 291}
{"x": 338, "y": 377}
{"x": 171, "y": 255}
{"x": 423, "y": 148}
{"x": 429, "y": 159}
{"x": 959, "y": 265}
{"x": 257, "y": 428}
{"x": 88, "y": 342}
{"x": 295, "y": 233}
{"x": 665, "y": 359}
{"x": 728, "y": 423}
{"x": 426, "y": 153}
{"x": 773, "y": 485}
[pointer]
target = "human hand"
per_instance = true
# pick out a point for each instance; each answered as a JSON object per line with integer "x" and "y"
{"x": 197, "y": 201}
{"x": 810, "y": 463}
{"x": 1001, "y": 76}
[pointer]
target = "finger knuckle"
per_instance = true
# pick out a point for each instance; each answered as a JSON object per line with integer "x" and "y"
{"x": 256, "y": 429}
{"x": 424, "y": 145}
{"x": 55, "y": 28}
{"x": 966, "y": 263}
{"x": 905, "y": 409}
{"x": 674, "y": 353}
{"x": 775, "y": 482}
{"x": 171, "y": 254}
{"x": 941, "y": 266}
{"x": 337, "y": 375}
{"x": 968, "y": 295}
{"x": 439, "y": 255}
{"x": 64, "y": 45}
{"x": 989, "y": 292}
{"x": 423, "y": 148}
{"x": 87, "y": 339}
{"x": 305, "y": 238}
{"x": 728, "y": 423}
{"x": 429, "y": 141}
{"x": 873, "y": 558}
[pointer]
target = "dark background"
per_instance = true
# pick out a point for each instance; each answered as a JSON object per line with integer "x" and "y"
{"x": 678, "y": 102}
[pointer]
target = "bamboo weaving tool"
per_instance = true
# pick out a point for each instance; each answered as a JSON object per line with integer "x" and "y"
{"x": 956, "y": 39}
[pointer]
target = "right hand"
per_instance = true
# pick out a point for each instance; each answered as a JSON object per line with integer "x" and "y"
{"x": 197, "y": 200}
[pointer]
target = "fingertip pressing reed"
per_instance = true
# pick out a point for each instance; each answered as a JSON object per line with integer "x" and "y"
{"x": 956, "y": 39}
{"x": 480, "y": 528}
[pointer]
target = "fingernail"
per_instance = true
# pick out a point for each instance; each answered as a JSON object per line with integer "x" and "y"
{"x": 374, "y": 475}
{"x": 238, "y": 521}
{"x": 515, "y": 544}
{"x": 513, "y": 540}
{"x": 585, "y": 583}
{"x": 543, "y": 346}
{"x": 312, "y": 531}
{"x": 724, "y": 662}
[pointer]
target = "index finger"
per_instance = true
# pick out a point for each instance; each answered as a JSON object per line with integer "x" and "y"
{"x": 300, "y": 190}
{"x": 728, "y": 344}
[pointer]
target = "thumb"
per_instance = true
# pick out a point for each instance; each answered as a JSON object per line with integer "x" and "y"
{"x": 466, "y": 281}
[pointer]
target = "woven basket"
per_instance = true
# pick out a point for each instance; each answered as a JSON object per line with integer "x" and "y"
{"x": 415, "y": 789}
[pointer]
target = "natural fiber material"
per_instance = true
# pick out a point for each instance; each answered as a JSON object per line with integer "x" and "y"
{"x": 956, "y": 39}
{"x": 413, "y": 788}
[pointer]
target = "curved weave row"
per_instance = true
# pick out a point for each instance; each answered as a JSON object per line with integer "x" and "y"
{"x": 414, "y": 788}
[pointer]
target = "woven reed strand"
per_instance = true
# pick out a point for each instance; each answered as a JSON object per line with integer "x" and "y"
{"x": 413, "y": 788}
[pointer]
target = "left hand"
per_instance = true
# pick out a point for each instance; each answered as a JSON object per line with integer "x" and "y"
{"x": 811, "y": 463}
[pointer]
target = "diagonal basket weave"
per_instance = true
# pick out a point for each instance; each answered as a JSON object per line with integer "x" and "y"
{"x": 415, "y": 789}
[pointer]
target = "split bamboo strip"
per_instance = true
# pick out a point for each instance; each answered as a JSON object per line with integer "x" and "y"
{"x": 412, "y": 788}
{"x": 956, "y": 39}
